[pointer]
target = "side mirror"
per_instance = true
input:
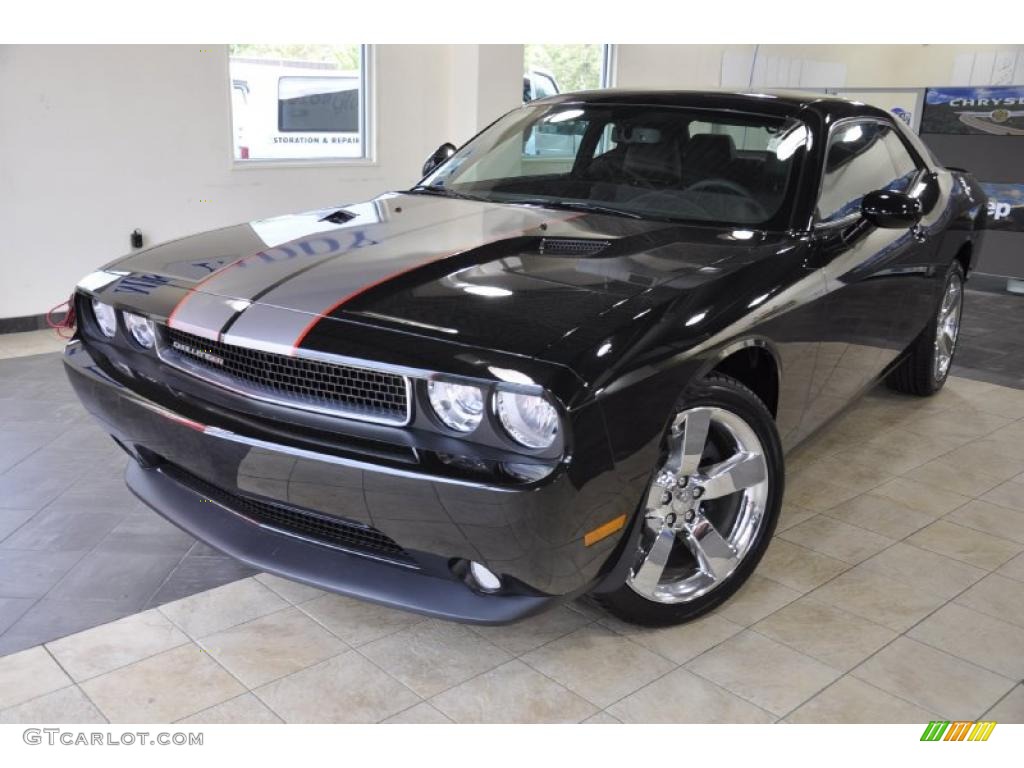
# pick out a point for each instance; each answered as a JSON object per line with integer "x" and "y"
{"x": 441, "y": 154}
{"x": 891, "y": 210}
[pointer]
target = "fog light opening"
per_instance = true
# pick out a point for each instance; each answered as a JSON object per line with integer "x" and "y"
{"x": 467, "y": 463}
{"x": 482, "y": 578}
{"x": 528, "y": 473}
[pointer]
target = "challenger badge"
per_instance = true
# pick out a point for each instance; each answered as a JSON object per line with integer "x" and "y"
{"x": 202, "y": 354}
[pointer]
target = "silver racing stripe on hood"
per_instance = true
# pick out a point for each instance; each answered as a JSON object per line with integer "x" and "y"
{"x": 269, "y": 328}
{"x": 501, "y": 232}
{"x": 206, "y": 314}
{"x": 250, "y": 276}
{"x": 317, "y": 292}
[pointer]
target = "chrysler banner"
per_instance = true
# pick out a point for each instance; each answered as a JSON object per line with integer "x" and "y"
{"x": 997, "y": 110}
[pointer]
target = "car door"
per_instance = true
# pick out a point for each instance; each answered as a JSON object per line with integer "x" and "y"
{"x": 879, "y": 282}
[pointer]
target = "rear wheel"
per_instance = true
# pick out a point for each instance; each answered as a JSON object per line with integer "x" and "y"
{"x": 926, "y": 366}
{"x": 710, "y": 509}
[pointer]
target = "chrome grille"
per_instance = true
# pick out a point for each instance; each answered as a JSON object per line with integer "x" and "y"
{"x": 351, "y": 391}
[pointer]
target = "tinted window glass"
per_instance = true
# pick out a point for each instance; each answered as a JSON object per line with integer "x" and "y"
{"x": 551, "y": 140}
{"x": 744, "y": 137}
{"x": 662, "y": 162}
{"x": 860, "y": 160}
{"x": 901, "y": 159}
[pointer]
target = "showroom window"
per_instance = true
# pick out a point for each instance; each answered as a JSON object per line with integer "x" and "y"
{"x": 553, "y": 69}
{"x": 298, "y": 102}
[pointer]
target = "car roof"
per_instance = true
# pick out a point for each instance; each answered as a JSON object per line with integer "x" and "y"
{"x": 771, "y": 101}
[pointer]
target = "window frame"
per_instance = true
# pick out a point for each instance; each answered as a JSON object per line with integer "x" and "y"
{"x": 367, "y": 123}
{"x": 846, "y": 122}
{"x": 609, "y": 65}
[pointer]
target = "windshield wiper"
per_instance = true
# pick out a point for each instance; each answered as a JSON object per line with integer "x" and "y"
{"x": 577, "y": 205}
{"x": 444, "y": 192}
{"x": 568, "y": 205}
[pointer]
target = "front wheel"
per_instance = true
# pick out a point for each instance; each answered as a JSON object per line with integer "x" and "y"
{"x": 710, "y": 509}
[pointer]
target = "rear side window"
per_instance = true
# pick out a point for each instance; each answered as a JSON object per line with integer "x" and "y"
{"x": 862, "y": 157}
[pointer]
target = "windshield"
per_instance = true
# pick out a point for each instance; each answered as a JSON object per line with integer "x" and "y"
{"x": 659, "y": 162}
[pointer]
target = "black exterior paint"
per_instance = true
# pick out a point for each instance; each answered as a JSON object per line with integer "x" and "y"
{"x": 813, "y": 315}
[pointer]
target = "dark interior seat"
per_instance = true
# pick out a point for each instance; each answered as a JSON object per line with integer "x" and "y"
{"x": 655, "y": 161}
{"x": 707, "y": 155}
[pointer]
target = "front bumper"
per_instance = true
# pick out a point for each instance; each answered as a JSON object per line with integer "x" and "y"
{"x": 532, "y": 536}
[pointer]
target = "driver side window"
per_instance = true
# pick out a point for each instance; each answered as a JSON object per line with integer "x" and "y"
{"x": 862, "y": 157}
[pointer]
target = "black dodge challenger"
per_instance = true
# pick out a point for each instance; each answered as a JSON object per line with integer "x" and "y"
{"x": 570, "y": 360}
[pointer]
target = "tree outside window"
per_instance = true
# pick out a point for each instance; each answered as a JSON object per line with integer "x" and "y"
{"x": 553, "y": 68}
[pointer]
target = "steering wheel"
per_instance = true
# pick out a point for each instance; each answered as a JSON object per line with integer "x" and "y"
{"x": 730, "y": 188}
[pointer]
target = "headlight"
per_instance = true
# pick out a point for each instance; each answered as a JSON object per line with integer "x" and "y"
{"x": 141, "y": 329}
{"x": 530, "y": 419}
{"x": 106, "y": 318}
{"x": 459, "y": 406}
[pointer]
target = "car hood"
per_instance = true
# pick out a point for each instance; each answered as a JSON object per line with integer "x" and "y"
{"x": 511, "y": 278}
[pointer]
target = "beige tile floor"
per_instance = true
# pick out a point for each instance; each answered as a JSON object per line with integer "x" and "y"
{"x": 893, "y": 592}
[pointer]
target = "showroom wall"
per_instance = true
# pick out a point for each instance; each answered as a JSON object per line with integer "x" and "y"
{"x": 98, "y": 140}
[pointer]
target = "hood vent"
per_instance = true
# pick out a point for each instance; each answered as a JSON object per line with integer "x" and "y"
{"x": 339, "y": 217}
{"x": 565, "y": 246}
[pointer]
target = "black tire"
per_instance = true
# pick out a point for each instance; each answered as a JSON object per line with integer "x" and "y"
{"x": 726, "y": 393}
{"x": 917, "y": 373}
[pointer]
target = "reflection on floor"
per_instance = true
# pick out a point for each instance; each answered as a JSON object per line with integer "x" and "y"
{"x": 77, "y": 549}
{"x": 893, "y": 592}
{"x": 992, "y": 338}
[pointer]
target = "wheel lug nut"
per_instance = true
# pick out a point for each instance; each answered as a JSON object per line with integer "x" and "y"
{"x": 688, "y": 517}
{"x": 698, "y": 492}
{"x": 666, "y": 497}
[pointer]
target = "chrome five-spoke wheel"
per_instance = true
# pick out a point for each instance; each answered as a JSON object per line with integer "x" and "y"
{"x": 708, "y": 513}
{"x": 704, "y": 508}
{"x": 948, "y": 325}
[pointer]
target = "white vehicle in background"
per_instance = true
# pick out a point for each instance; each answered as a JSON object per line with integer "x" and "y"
{"x": 294, "y": 110}
{"x": 549, "y": 140}
{"x": 539, "y": 84}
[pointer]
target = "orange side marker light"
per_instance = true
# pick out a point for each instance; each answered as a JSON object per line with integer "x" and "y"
{"x": 603, "y": 531}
